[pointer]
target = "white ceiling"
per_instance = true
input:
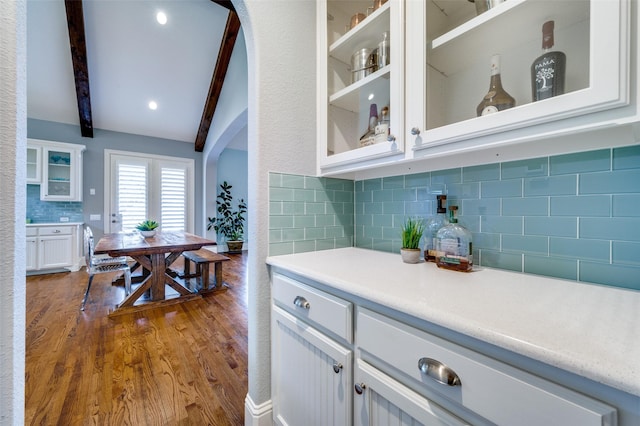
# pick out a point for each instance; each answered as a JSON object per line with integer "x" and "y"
{"x": 131, "y": 59}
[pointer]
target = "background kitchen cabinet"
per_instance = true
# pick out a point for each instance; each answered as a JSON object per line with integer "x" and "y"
{"x": 62, "y": 173}
{"x": 54, "y": 247}
{"x": 34, "y": 163}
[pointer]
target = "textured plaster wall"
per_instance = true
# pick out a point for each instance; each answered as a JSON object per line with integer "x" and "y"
{"x": 282, "y": 129}
{"x": 13, "y": 115}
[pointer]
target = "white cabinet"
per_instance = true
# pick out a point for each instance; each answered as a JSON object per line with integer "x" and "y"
{"x": 312, "y": 372}
{"x": 472, "y": 381}
{"x": 34, "y": 163}
{"x": 54, "y": 247}
{"x": 439, "y": 72}
{"x": 333, "y": 366}
{"x": 57, "y": 167}
{"x": 345, "y": 93}
{"x": 451, "y": 76}
{"x": 380, "y": 398}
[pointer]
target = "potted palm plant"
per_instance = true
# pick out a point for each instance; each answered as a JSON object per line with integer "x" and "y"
{"x": 229, "y": 221}
{"x": 412, "y": 231}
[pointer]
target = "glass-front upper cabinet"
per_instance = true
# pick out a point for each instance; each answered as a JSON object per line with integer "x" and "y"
{"x": 360, "y": 83}
{"x": 565, "y": 65}
{"x": 34, "y": 164}
{"x": 61, "y": 172}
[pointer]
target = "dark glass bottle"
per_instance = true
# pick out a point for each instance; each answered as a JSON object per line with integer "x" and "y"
{"x": 497, "y": 99}
{"x": 548, "y": 70}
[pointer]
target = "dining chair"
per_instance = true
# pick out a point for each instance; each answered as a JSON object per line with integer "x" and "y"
{"x": 96, "y": 265}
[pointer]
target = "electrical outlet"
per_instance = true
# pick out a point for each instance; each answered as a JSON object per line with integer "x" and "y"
{"x": 64, "y": 219}
{"x": 93, "y": 217}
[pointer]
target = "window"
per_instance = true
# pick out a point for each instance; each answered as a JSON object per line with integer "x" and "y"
{"x": 142, "y": 186}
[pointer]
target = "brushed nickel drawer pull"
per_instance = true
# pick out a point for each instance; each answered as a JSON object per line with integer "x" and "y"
{"x": 337, "y": 367}
{"x": 439, "y": 372}
{"x": 360, "y": 387}
{"x": 301, "y": 302}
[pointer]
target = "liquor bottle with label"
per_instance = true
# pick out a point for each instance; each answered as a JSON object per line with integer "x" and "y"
{"x": 454, "y": 248}
{"x": 548, "y": 70}
{"x": 497, "y": 99}
{"x": 433, "y": 226}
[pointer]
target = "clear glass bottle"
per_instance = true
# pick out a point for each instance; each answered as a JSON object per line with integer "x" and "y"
{"x": 548, "y": 70}
{"x": 433, "y": 226}
{"x": 454, "y": 245}
{"x": 496, "y": 99}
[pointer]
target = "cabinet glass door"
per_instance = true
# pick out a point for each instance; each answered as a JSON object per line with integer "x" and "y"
{"x": 460, "y": 44}
{"x": 361, "y": 79}
{"x": 59, "y": 174}
{"x": 33, "y": 164}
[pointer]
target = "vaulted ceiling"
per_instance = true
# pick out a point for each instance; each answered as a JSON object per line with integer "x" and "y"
{"x": 99, "y": 63}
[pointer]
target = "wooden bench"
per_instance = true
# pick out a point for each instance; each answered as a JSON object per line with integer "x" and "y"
{"x": 202, "y": 258}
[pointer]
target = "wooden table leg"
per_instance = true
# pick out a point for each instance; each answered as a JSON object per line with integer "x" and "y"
{"x": 158, "y": 268}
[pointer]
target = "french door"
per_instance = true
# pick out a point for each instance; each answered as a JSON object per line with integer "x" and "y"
{"x": 143, "y": 186}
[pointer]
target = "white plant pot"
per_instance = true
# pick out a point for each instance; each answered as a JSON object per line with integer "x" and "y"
{"x": 148, "y": 234}
{"x": 410, "y": 255}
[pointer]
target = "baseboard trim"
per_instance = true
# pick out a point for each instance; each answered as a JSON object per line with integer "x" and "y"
{"x": 257, "y": 415}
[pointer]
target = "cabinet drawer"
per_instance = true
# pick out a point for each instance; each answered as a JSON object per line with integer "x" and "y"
{"x": 55, "y": 230}
{"x": 32, "y": 232}
{"x": 314, "y": 306}
{"x": 500, "y": 393}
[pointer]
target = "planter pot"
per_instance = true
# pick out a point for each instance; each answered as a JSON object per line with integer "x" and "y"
{"x": 235, "y": 246}
{"x": 148, "y": 234}
{"x": 410, "y": 255}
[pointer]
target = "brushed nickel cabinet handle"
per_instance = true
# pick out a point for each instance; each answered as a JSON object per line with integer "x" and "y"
{"x": 360, "y": 387}
{"x": 301, "y": 302}
{"x": 439, "y": 372}
{"x": 337, "y": 367}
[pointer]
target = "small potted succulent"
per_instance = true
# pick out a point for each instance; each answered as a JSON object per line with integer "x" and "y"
{"x": 147, "y": 228}
{"x": 412, "y": 231}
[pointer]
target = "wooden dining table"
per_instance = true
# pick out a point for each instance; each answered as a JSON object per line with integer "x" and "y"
{"x": 155, "y": 255}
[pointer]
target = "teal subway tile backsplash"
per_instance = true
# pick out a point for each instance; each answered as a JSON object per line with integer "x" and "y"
{"x": 51, "y": 211}
{"x": 582, "y": 162}
{"x": 623, "y": 181}
{"x": 626, "y": 158}
{"x": 574, "y": 216}
{"x": 626, "y": 205}
{"x": 308, "y": 213}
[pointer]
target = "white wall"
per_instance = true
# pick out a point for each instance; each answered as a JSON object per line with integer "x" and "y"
{"x": 280, "y": 38}
{"x": 13, "y": 140}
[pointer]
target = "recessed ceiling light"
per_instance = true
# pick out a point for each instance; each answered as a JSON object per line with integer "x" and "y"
{"x": 153, "y": 105}
{"x": 371, "y": 96}
{"x": 161, "y": 17}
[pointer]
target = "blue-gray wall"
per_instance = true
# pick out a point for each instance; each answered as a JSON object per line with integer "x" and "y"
{"x": 93, "y": 162}
{"x": 573, "y": 216}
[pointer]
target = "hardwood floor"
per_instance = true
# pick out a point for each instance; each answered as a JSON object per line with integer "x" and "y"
{"x": 185, "y": 364}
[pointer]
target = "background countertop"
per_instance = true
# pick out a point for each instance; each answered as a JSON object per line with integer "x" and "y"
{"x": 589, "y": 330}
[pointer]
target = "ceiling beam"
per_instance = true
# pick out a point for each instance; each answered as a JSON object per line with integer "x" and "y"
{"x": 75, "y": 23}
{"x": 222, "y": 64}
{"x": 225, "y": 3}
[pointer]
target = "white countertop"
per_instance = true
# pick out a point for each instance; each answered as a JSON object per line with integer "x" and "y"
{"x": 589, "y": 330}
